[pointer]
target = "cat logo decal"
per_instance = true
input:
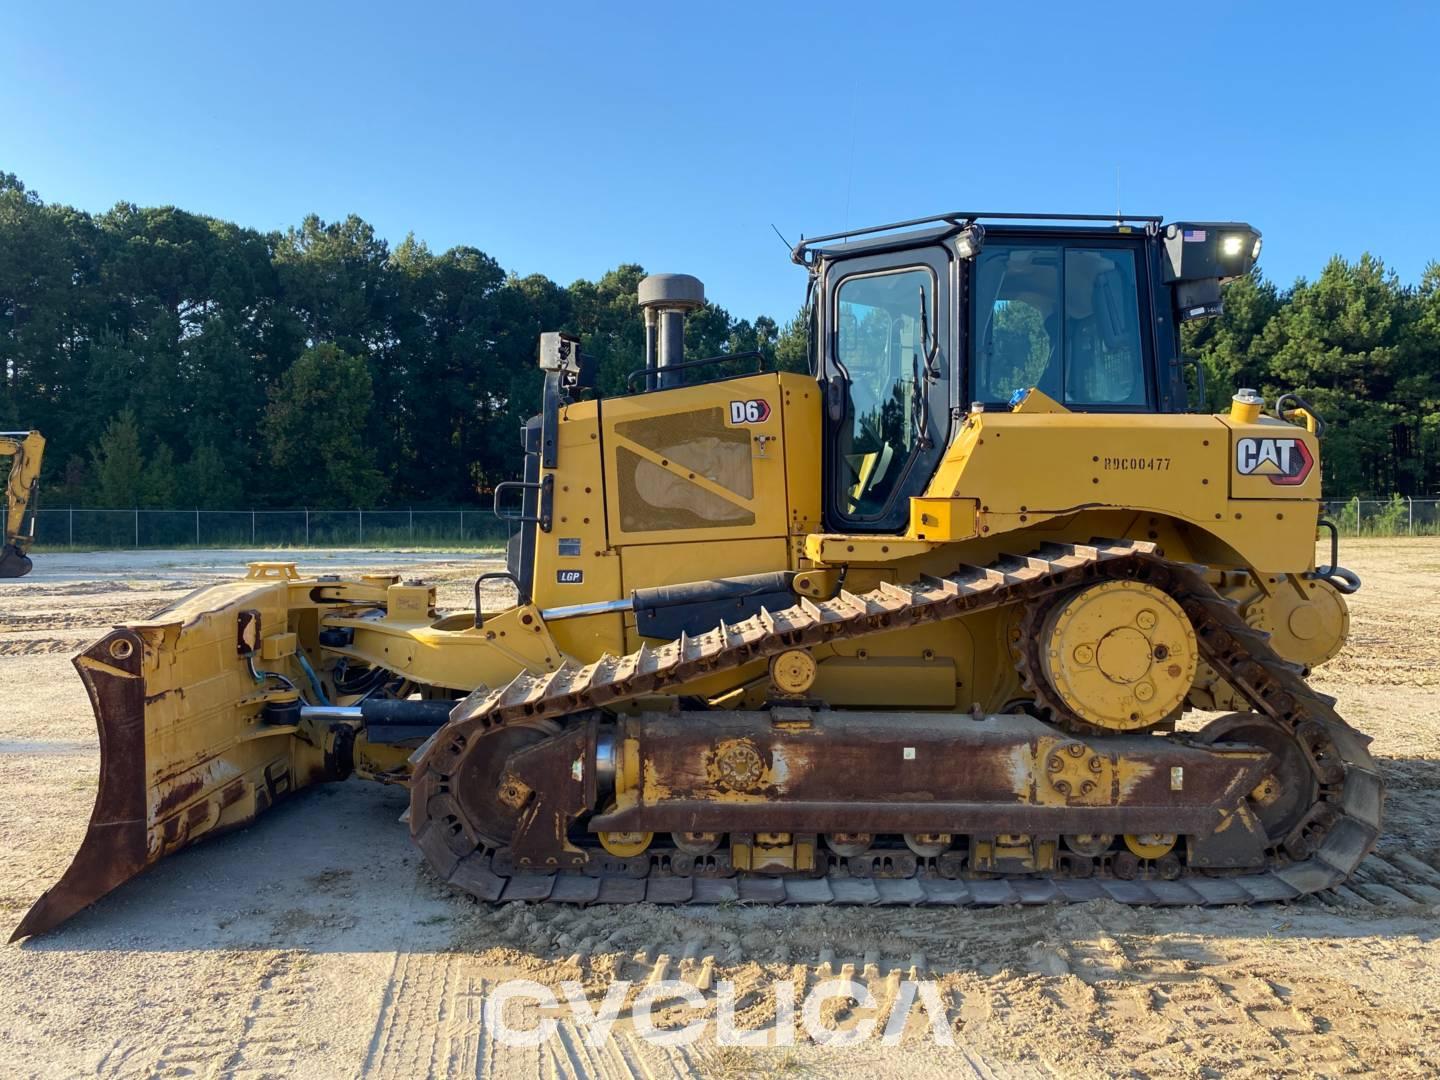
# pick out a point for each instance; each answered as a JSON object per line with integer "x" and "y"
{"x": 1285, "y": 462}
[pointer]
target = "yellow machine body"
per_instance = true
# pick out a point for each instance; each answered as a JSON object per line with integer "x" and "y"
{"x": 724, "y": 481}
{"x": 1008, "y": 481}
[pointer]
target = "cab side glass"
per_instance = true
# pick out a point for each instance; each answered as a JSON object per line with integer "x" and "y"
{"x": 879, "y": 344}
{"x": 1017, "y": 308}
{"x": 1063, "y": 320}
{"x": 1104, "y": 363}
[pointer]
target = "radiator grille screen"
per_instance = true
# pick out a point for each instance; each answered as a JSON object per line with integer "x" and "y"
{"x": 654, "y": 497}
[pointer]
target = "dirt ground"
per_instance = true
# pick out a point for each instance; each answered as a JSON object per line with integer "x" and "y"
{"x": 314, "y": 943}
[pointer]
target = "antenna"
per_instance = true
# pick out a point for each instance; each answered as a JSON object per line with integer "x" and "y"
{"x": 788, "y": 246}
{"x": 850, "y": 169}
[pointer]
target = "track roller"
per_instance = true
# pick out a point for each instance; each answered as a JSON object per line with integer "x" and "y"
{"x": 849, "y": 845}
{"x": 694, "y": 843}
{"x": 626, "y": 845}
{"x": 928, "y": 845}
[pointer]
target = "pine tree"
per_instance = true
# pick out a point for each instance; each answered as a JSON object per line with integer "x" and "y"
{"x": 315, "y": 429}
{"x": 119, "y": 465}
{"x": 207, "y": 483}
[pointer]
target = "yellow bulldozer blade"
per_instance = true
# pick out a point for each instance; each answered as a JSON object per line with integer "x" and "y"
{"x": 185, "y": 751}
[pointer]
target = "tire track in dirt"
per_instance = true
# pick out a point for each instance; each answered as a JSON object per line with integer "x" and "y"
{"x": 1350, "y": 987}
{"x": 100, "y": 618}
{"x": 257, "y": 1035}
{"x": 43, "y": 646}
{"x": 1156, "y": 1007}
{"x": 434, "y": 1020}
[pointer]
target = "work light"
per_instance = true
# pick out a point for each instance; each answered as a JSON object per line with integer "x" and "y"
{"x": 1200, "y": 255}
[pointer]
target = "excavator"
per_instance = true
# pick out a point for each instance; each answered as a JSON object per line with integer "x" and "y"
{"x": 26, "y": 449}
{"x": 986, "y": 608}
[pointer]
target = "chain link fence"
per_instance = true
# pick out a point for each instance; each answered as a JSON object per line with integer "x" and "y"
{"x": 1399, "y": 515}
{"x": 87, "y": 528}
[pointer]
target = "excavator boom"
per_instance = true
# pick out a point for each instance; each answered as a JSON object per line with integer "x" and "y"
{"x": 26, "y": 448}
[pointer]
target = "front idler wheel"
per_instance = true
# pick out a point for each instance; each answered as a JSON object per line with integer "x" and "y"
{"x": 1286, "y": 793}
{"x": 491, "y": 802}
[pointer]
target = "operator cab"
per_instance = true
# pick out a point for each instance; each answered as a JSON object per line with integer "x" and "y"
{"x": 915, "y": 328}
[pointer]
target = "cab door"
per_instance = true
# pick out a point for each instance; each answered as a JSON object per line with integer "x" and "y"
{"x": 888, "y": 357}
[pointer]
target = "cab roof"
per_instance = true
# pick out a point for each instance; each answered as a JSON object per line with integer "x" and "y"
{"x": 883, "y": 237}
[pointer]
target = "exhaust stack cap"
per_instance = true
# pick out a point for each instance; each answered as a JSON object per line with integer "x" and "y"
{"x": 678, "y": 291}
{"x": 665, "y": 298}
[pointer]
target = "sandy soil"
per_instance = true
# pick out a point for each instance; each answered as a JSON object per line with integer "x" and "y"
{"x": 315, "y": 943}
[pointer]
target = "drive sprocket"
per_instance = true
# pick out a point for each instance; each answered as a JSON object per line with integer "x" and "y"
{"x": 1113, "y": 656}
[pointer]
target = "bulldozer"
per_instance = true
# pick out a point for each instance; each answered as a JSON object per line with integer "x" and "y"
{"x": 26, "y": 450}
{"x": 987, "y": 607}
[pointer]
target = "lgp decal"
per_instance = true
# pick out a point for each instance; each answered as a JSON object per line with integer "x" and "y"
{"x": 569, "y": 577}
{"x": 756, "y": 411}
{"x": 1286, "y": 462}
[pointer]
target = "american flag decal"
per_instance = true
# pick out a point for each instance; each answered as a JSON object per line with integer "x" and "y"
{"x": 1195, "y": 235}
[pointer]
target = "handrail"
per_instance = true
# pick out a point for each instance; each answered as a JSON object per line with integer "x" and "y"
{"x": 1313, "y": 421}
{"x": 521, "y": 597}
{"x": 758, "y": 357}
{"x": 545, "y": 486}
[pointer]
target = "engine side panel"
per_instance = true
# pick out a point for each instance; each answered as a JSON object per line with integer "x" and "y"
{"x": 1023, "y": 468}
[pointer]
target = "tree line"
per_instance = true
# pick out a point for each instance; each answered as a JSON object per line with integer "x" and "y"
{"x": 1359, "y": 345}
{"x": 174, "y": 359}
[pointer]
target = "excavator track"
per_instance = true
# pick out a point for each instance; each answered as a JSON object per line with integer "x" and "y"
{"x": 1335, "y": 833}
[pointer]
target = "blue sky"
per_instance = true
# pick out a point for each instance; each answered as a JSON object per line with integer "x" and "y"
{"x": 565, "y": 139}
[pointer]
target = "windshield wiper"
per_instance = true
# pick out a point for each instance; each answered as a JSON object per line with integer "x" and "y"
{"x": 920, "y": 409}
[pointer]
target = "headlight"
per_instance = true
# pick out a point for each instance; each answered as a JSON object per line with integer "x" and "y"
{"x": 1255, "y": 251}
{"x": 1231, "y": 245}
{"x": 970, "y": 240}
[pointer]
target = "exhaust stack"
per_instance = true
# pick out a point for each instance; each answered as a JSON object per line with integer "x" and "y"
{"x": 665, "y": 298}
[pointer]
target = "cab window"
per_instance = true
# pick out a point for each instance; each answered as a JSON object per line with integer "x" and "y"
{"x": 880, "y": 342}
{"x": 1065, "y": 320}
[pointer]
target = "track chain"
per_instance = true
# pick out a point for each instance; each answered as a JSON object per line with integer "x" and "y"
{"x": 1337, "y": 833}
